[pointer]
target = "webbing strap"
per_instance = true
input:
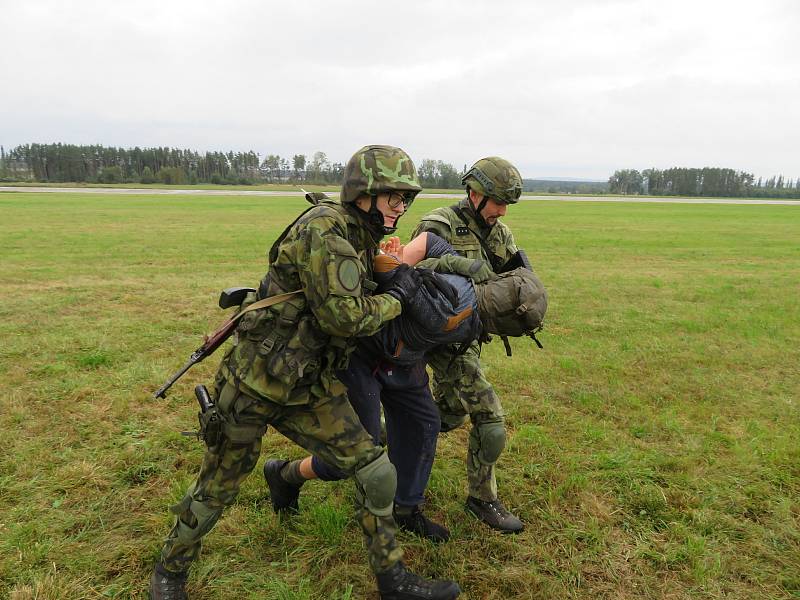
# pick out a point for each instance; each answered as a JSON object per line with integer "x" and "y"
{"x": 276, "y": 299}
{"x": 493, "y": 258}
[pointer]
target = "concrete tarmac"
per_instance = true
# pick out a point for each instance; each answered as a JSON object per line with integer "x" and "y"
{"x": 559, "y": 198}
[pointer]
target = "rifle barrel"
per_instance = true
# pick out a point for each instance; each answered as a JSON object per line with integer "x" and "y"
{"x": 162, "y": 391}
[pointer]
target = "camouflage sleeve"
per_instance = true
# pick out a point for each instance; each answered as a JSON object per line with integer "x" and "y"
{"x": 332, "y": 275}
{"x": 502, "y": 242}
{"x": 472, "y": 268}
{"x": 440, "y": 229}
{"x": 511, "y": 245}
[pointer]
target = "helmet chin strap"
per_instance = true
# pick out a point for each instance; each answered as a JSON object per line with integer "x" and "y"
{"x": 374, "y": 219}
{"x": 377, "y": 217}
{"x": 478, "y": 216}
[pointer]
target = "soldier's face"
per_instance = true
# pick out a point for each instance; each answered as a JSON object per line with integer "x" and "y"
{"x": 392, "y": 207}
{"x": 492, "y": 211}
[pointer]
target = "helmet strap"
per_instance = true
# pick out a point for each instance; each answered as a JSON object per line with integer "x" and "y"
{"x": 377, "y": 217}
{"x": 373, "y": 219}
{"x": 478, "y": 216}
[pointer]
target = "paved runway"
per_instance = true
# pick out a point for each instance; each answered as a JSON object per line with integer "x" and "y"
{"x": 562, "y": 198}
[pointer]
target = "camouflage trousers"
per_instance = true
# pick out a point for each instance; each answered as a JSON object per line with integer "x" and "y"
{"x": 326, "y": 427}
{"x": 461, "y": 391}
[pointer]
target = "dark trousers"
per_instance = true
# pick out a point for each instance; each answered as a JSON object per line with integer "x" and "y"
{"x": 412, "y": 420}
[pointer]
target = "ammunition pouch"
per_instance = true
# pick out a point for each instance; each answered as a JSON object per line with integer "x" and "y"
{"x": 288, "y": 340}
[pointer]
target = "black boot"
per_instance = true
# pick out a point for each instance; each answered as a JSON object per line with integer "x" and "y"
{"x": 165, "y": 585}
{"x": 398, "y": 583}
{"x": 282, "y": 494}
{"x": 417, "y": 522}
{"x": 495, "y": 515}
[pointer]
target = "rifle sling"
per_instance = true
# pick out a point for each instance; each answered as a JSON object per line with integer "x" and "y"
{"x": 266, "y": 302}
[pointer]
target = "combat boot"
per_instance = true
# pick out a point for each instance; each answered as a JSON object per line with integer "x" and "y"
{"x": 398, "y": 583}
{"x": 416, "y": 522}
{"x": 165, "y": 585}
{"x": 282, "y": 494}
{"x": 495, "y": 515}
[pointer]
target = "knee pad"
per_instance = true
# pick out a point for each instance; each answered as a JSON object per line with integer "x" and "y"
{"x": 492, "y": 437}
{"x": 204, "y": 516}
{"x": 378, "y": 483}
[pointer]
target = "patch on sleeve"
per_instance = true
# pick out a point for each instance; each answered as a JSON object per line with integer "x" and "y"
{"x": 348, "y": 274}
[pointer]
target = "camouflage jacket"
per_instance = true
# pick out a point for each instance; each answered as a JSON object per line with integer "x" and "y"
{"x": 290, "y": 352}
{"x": 465, "y": 235}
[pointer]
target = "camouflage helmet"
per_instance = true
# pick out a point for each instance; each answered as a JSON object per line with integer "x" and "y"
{"x": 496, "y": 178}
{"x": 512, "y": 303}
{"x": 376, "y": 169}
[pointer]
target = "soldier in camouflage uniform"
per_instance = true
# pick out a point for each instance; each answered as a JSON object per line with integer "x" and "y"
{"x": 459, "y": 387}
{"x": 281, "y": 369}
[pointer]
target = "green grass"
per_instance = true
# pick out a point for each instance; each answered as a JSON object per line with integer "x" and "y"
{"x": 653, "y": 445}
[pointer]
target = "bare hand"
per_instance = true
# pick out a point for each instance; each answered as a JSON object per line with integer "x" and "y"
{"x": 394, "y": 247}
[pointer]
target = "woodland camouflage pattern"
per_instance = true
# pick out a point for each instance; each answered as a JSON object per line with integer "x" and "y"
{"x": 290, "y": 352}
{"x": 281, "y": 372}
{"x": 460, "y": 388}
{"x": 377, "y": 169}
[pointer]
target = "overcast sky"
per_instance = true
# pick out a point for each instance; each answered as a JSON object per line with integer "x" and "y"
{"x": 561, "y": 88}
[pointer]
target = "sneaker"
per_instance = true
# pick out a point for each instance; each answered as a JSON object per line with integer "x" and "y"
{"x": 398, "y": 583}
{"x": 417, "y": 522}
{"x": 495, "y": 515}
{"x": 282, "y": 494}
{"x": 165, "y": 585}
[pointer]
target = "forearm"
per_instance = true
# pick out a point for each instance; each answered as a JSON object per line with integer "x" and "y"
{"x": 416, "y": 249}
{"x": 356, "y": 316}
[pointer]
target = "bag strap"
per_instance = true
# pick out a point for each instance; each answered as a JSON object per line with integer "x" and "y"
{"x": 494, "y": 260}
{"x": 266, "y": 302}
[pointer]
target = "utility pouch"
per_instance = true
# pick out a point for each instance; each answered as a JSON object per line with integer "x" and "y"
{"x": 294, "y": 354}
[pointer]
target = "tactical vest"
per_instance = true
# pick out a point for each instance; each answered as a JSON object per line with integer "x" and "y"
{"x": 465, "y": 238}
{"x": 285, "y": 341}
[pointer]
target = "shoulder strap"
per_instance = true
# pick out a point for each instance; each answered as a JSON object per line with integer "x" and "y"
{"x": 273, "y": 251}
{"x": 494, "y": 260}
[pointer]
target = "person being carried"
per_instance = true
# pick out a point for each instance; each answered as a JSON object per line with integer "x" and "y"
{"x": 389, "y": 367}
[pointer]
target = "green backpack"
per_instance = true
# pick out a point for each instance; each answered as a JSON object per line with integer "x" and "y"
{"x": 512, "y": 303}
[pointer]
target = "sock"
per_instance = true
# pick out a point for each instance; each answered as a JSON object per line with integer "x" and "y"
{"x": 291, "y": 473}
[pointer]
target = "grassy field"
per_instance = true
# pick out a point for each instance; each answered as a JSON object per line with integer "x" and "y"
{"x": 653, "y": 444}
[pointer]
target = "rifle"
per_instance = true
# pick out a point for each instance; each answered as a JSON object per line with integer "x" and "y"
{"x": 519, "y": 259}
{"x": 229, "y": 297}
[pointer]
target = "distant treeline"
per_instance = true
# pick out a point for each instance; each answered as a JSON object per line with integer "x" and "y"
{"x": 726, "y": 183}
{"x": 101, "y": 164}
{"x": 564, "y": 187}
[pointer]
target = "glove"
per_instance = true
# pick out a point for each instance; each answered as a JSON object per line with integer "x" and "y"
{"x": 473, "y": 268}
{"x": 436, "y": 285}
{"x": 404, "y": 284}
